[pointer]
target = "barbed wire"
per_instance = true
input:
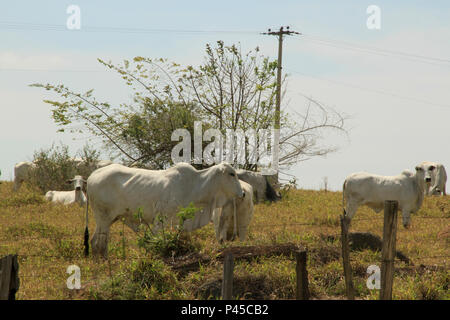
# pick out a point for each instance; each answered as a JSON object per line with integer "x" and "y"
{"x": 317, "y": 224}
{"x": 143, "y": 257}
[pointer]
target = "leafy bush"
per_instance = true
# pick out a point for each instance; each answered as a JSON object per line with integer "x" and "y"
{"x": 54, "y": 166}
{"x": 167, "y": 242}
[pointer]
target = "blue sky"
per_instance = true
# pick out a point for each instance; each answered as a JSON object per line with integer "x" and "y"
{"x": 389, "y": 133}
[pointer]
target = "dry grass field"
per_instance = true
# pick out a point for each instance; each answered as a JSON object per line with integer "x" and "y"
{"x": 48, "y": 238}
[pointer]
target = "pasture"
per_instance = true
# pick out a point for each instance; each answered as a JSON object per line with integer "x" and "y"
{"x": 48, "y": 238}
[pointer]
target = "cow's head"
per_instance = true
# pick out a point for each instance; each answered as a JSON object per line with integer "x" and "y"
{"x": 231, "y": 186}
{"x": 78, "y": 183}
{"x": 224, "y": 217}
{"x": 225, "y": 225}
{"x": 423, "y": 173}
{"x": 429, "y": 171}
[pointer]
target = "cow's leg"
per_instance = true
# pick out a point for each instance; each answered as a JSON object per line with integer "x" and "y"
{"x": 406, "y": 217}
{"x": 350, "y": 209}
{"x": 132, "y": 223}
{"x": 16, "y": 184}
{"x": 99, "y": 241}
{"x": 443, "y": 190}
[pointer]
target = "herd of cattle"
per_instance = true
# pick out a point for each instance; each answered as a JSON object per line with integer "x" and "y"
{"x": 223, "y": 194}
{"x": 115, "y": 191}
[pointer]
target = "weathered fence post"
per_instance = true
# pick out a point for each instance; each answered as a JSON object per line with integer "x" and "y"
{"x": 388, "y": 250}
{"x": 9, "y": 277}
{"x": 227, "y": 282}
{"x": 346, "y": 259}
{"x": 302, "y": 275}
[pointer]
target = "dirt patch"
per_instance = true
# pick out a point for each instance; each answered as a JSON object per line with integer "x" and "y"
{"x": 250, "y": 252}
{"x": 187, "y": 263}
{"x": 421, "y": 269}
{"x": 325, "y": 254}
{"x": 192, "y": 261}
{"x": 359, "y": 241}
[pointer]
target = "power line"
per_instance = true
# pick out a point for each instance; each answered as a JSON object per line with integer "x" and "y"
{"x": 49, "y": 27}
{"x": 377, "y": 51}
{"x": 48, "y": 70}
{"x": 379, "y": 91}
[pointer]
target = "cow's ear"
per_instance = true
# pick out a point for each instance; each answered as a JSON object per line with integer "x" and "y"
{"x": 418, "y": 168}
{"x": 69, "y": 181}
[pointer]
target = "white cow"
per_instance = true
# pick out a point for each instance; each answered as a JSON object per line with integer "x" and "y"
{"x": 22, "y": 172}
{"x": 262, "y": 189}
{"x": 224, "y": 218}
{"x": 229, "y": 221}
{"x": 435, "y": 178}
{"x": 373, "y": 190}
{"x": 116, "y": 191}
{"x": 68, "y": 197}
{"x": 81, "y": 163}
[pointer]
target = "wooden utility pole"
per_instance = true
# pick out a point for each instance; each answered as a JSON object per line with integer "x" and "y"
{"x": 280, "y": 35}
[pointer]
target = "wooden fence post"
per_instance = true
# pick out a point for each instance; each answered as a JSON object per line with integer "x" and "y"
{"x": 388, "y": 250}
{"x": 227, "y": 282}
{"x": 302, "y": 275}
{"x": 9, "y": 277}
{"x": 346, "y": 259}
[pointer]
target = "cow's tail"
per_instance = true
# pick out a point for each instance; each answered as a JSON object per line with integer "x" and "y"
{"x": 271, "y": 194}
{"x": 86, "y": 230}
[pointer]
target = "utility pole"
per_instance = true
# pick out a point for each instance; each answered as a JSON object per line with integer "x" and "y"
{"x": 280, "y": 35}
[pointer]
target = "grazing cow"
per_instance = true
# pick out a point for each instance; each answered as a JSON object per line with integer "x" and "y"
{"x": 435, "y": 178}
{"x": 373, "y": 190}
{"x": 22, "y": 172}
{"x": 116, "y": 191}
{"x": 224, "y": 218}
{"x": 261, "y": 187}
{"x": 68, "y": 197}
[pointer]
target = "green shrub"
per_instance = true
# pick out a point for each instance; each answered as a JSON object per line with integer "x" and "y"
{"x": 167, "y": 242}
{"x": 54, "y": 166}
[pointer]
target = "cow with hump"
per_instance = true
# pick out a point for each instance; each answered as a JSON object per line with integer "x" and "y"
{"x": 116, "y": 192}
{"x": 373, "y": 190}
